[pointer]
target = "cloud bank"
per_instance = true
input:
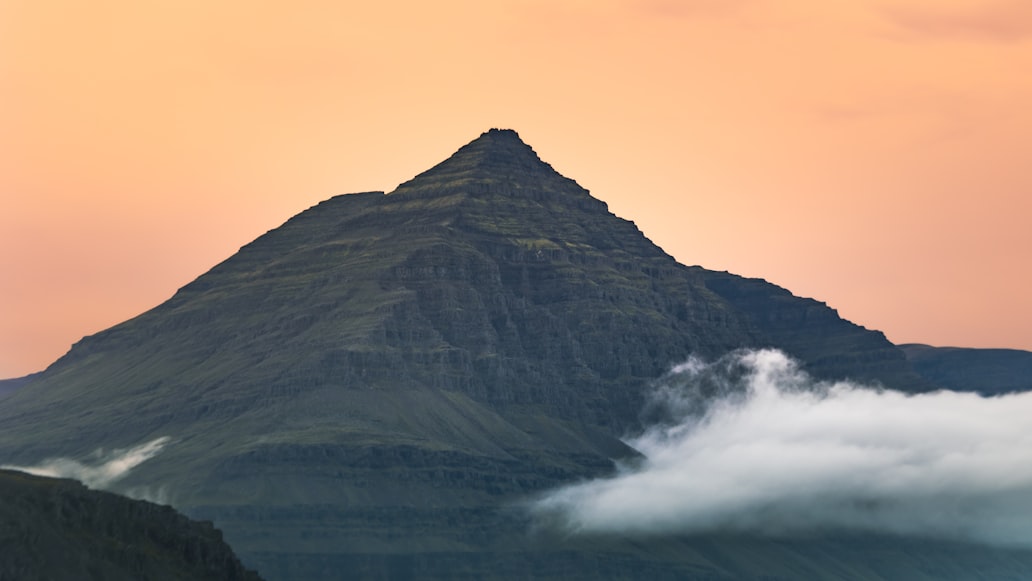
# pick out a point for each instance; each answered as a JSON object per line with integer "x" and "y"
{"x": 103, "y": 468}
{"x": 752, "y": 444}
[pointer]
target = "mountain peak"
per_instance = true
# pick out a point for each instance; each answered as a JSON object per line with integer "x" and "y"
{"x": 497, "y": 144}
{"x": 498, "y": 133}
{"x": 498, "y": 156}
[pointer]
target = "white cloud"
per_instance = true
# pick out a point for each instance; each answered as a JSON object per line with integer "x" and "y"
{"x": 750, "y": 443}
{"x": 104, "y": 469}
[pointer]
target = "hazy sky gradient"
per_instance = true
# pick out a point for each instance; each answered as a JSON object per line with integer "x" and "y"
{"x": 872, "y": 155}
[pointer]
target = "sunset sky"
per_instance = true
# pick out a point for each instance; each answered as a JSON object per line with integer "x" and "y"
{"x": 874, "y": 155}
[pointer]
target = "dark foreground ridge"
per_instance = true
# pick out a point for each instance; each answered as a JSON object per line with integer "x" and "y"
{"x": 372, "y": 389}
{"x": 59, "y": 530}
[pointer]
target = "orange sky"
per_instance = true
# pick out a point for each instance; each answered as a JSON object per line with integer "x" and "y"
{"x": 874, "y": 155}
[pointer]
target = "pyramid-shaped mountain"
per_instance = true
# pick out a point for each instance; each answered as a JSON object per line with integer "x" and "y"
{"x": 371, "y": 387}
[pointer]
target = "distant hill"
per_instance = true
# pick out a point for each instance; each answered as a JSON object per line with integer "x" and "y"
{"x": 9, "y": 386}
{"x": 372, "y": 389}
{"x": 60, "y": 530}
{"x": 987, "y": 371}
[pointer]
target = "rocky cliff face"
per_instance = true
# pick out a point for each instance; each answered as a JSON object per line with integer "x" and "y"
{"x": 58, "y": 529}
{"x": 379, "y": 381}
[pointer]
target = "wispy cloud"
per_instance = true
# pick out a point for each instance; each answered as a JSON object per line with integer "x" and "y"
{"x": 1000, "y": 21}
{"x": 155, "y": 494}
{"x": 750, "y": 443}
{"x": 102, "y": 469}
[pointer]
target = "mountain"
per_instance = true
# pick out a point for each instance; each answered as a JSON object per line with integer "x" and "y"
{"x": 987, "y": 371}
{"x": 372, "y": 389}
{"x": 58, "y": 529}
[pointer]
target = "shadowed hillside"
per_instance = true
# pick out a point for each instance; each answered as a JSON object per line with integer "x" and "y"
{"x": 59, "y": 530}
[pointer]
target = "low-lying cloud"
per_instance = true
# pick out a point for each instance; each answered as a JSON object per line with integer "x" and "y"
{"x": 102, "y": 469}
{"x": 752, "y": 444}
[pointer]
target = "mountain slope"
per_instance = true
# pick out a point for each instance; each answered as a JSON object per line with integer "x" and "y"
{"x": 374, "y": 384}
{"x": 58, "y": 529}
